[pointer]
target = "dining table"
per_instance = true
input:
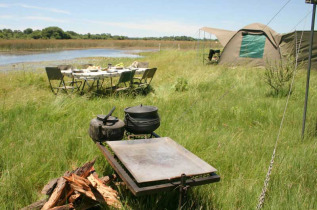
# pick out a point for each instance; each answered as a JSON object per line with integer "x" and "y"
{"x": 97, "y": 75}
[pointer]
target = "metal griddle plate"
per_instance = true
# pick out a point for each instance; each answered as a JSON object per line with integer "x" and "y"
{"x": 158, "y": 159}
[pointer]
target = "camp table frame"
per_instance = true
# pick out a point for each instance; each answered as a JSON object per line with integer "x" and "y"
{"x": 139, "y": 189}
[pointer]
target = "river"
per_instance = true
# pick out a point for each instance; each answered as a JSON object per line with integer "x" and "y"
{"x": 12, "y": 58}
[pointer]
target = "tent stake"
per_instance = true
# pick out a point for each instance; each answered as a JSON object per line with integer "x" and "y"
{"x": 309, "y": 66}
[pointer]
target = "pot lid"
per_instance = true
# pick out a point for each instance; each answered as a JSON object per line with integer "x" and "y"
{"x": 140, "y": 109}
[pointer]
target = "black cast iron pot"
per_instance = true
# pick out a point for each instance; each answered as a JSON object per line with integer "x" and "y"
{"x": 141, "y": 119}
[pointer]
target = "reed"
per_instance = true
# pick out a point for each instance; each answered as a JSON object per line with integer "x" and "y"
{"x": 225, "y": 117}
{"x": 14, "y": 45}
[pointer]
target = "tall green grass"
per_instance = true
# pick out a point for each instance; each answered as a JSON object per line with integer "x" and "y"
{"x": 225, "y": 117}
{"x": 14, "y": 45}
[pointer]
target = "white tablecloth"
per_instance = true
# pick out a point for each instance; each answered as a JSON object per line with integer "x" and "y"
{"x": 99, "y": 74}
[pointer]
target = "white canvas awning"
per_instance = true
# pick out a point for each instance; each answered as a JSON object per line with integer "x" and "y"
{"x": 222, "y": 35}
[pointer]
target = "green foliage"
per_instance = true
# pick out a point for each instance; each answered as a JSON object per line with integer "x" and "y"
{"x": 181, "y": 84}
{"x": 278, "y": 76}
{"x": 37, "y": 34}
{"x": 28, "y": 31}
{"x": 54, "y": 32}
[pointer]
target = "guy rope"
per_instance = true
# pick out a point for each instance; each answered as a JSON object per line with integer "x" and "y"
{"x": 268, "y": 174}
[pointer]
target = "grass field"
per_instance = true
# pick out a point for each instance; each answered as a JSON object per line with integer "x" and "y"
{"x": 225, "y": 117}
{"x": 14, "y": 45}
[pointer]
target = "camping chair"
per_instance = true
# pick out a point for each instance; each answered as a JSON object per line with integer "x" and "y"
{"x": 146, "y": 78}
{"x": 126, "y": 79}
{"x": 137, "y": 64}
{"x": 213, "y": 56}
{"x": 65, "y": 67}
{"x": 85, "y": 66}
{"x": 143, "y": 65}
{"x": 87, "y": 79}
{"x": 54, "y": 73}
{"x": 70, "y": 67}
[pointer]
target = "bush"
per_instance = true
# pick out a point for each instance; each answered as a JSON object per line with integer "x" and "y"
{"x": 278, "y": 76}
{"x": 181, "y": 85}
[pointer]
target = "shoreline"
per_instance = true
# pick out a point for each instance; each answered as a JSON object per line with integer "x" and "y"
{"x": 48, "y": 50}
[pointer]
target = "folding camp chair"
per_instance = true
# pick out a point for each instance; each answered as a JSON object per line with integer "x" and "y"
{"x": 65, "y": 67}
{"x": 54, "y": 73}
{"x": 146, "y": 78}
{"x": 69, "y": 67}
{"x": 89, "y": 81}
{"x": 213, "y": 56}
{"x": 142, "y": 64}
{"x": 85, "y": 66}
{"x": 125, "y": 79}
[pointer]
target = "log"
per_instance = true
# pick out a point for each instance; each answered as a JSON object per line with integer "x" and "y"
{"x": 110, "y": 196}
{"x": 94, "y": 189}
{"x": 73, "y": 197}
{"x": 107, "y": 179}
{"x": 49, "y": 187}
{"x": 56, "y": 195}
{"x": 64, "y": 207}
{"x": 37, "y": 205}
{"x": 55, "y": 198}
{"x": 84, "y": 171}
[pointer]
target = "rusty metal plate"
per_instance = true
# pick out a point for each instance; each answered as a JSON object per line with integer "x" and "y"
{"x": 158, "y": 159}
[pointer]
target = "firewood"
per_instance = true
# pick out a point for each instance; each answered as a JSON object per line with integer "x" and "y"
{"x": 101, "y": 193}
{"x": 109, "y": 195}
{"x": 37, "y": 205}
{"x": 85, "y": 203}
{"x": 55, "y": 198}
{"x": 84, "y": 171}
{"x": 49, "y": 187}
{"x": 64, "y": 207}
{"x": 84, "y": 183}
{"x": 107, "y": 179}
{"x": 56, "y": 195}
{"x": 73, "y": 197}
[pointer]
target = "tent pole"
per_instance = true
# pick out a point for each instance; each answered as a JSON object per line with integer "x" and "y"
{"x": 309, "y": 66}
{"x": 198, "y": 46}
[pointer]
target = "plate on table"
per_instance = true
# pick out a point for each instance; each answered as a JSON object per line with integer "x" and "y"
{"x": 112, "y": 71}
{"x": 77, "y": 71}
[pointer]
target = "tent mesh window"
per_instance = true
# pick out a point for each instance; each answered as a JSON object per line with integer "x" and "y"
{"x": 252, "y": 46}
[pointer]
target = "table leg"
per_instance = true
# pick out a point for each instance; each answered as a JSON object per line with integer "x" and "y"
{"x": 82, "y": 89}
{"x": 182, "y": 192}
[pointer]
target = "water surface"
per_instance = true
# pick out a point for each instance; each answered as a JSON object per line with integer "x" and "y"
{"x": 6, "y": 59}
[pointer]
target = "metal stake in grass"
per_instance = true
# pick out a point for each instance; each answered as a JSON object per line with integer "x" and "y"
{"x": 309, "y": 63}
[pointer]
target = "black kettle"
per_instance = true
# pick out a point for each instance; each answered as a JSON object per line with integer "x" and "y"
{"x": 106, "y": 128}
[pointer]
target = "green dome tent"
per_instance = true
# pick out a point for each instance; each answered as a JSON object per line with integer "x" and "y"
{"x": 257, "y": 44}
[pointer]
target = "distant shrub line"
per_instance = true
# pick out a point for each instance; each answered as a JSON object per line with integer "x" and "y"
{"x": 54, "y": 32}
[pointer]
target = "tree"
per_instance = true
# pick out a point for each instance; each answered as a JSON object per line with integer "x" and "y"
{"x": 54, "y": 32}
{"x": 28, "y": 31}
{"x": 37, "y": 34}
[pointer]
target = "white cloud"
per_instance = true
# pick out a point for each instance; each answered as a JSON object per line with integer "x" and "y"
{"x": 6, "y": 17}
{"x": 50, "y": 9}
{"x": 4, "y": 5}
{"x": 43, "y": 8}
{"x": 48, "y": 19}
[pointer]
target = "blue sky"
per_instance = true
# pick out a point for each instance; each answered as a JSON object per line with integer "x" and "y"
{"x": 142, "y": 18}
